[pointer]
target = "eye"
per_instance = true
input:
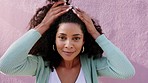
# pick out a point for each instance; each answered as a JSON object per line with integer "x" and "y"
{"x": 62, "y": 38}
{"x": 76, "y": 38}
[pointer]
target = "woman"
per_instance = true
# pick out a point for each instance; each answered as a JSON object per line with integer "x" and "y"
{"x": 64, "y": 45}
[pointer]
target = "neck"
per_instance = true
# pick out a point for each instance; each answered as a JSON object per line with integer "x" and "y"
{"x": 70, "y": 64}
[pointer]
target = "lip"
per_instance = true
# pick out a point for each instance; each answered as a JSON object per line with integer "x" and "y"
{"x": 68, "y": 53}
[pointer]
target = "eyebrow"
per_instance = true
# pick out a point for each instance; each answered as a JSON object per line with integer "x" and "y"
{"x": 72, "y": 35}
{"x": 62, "y": 34}
{"x": 77, "y": 35}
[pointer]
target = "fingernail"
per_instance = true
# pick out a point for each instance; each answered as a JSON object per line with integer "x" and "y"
{"x": 52, "y": 2}
{"x": 74, "y": 11}
{"x": 78, "y": 15}
{"x": 70, "y": 5}
{"x": 65, "y": 0}
{"x": 76, "y": 7}
{"x": 65, "y": 4}
{"x": 68, "y": 9}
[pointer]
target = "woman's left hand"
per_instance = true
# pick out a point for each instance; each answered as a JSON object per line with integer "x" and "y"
{"x": 88, "y": 22}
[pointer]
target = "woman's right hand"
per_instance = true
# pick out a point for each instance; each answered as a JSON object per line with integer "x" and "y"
{"x": 54, "y": 12}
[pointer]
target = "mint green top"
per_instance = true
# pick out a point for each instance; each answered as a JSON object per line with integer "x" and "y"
{"x": 16, "y": 61}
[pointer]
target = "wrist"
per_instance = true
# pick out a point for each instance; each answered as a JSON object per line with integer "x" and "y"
{"x": 95, "y": 34}
{"x": 41, "y": 28}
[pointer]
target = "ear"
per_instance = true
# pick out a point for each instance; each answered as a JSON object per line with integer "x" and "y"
{"x": 83, "y": 42}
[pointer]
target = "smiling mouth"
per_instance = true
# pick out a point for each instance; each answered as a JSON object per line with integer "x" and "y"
{"x": 68, "y": 53}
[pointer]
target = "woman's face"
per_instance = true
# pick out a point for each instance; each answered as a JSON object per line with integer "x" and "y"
{"x": 69, "y": 40}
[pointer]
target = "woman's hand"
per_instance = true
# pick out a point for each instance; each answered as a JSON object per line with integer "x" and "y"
{"x": 88, "y": 22}
{"x": 54, "y": 12}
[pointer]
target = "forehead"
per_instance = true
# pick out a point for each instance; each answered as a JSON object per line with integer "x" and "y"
{"x": 71, "y": 28}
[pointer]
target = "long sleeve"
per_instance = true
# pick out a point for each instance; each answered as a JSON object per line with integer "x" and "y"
{"x": 114, "y": 63}
{"x": 16, "y": 60}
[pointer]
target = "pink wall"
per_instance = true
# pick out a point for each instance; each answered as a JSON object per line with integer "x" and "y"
{"x": 123, "y": 21}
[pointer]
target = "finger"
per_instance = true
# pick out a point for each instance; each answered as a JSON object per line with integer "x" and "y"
{"x": 78, "y": 9}
{"x": 78, "y": 13}
{"x": 56, "y": 15}
{"x": 62, "y": 7}
{"x": 82, "y": 16}
{"x": 81, "y": 13}
{"x": 58, "y": 4}
{"x": 58, "y": 12}
{"x": 61, "y": 13}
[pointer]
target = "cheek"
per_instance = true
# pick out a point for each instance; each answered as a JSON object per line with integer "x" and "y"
{"x": 59, "y": 44}
{"x": 79, "y": 45}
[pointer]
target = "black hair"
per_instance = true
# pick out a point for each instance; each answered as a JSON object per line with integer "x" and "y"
{"x": 44, "y": 46}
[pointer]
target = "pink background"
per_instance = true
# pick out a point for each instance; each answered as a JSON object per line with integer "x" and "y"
{"x": 125, "y": 23}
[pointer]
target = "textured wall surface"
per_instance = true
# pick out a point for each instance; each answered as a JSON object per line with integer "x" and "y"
{"x": 123, "y": 21}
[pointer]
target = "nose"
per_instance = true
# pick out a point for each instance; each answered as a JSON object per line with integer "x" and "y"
{"x": 68, "y": 44}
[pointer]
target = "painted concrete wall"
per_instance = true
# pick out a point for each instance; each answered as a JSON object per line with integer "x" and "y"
{"x": 123, "y": 21}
